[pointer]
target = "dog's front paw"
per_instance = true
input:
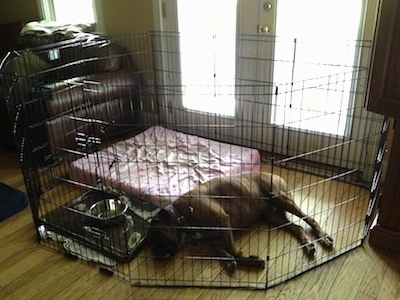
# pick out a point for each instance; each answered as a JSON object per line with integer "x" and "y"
{"x": 256, "y": 262}
{"x": 251, "y": 262}
{"x": 230, "y": 265}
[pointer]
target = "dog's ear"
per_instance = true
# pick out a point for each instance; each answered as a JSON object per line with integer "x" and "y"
{"x": 162, "y": 217}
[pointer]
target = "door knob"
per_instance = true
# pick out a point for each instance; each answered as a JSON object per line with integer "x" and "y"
{"x": 264, "y": 29}
{"x": 267, "y": 6}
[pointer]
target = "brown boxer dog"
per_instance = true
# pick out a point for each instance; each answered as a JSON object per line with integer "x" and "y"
{"x": 217, "y": 207}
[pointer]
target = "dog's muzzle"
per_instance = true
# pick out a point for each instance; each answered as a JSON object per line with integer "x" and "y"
{"x": 162, "y": 237}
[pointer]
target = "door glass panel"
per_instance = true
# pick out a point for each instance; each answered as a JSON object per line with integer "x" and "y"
{"x": 324, "y": 49}
{"x": 208, "y": 51}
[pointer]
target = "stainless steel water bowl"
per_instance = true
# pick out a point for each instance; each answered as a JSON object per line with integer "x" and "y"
{"x": 108, "y": 211}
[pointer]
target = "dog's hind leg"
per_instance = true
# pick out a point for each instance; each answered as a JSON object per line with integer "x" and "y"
{"x": 286, "y": 203}
{"x": 278, "y": 218}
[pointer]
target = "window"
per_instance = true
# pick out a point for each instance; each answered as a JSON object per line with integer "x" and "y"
{"x": 68, "y": 12}
{"x": 211, "y": 60}
{"x": 335, "y": 53}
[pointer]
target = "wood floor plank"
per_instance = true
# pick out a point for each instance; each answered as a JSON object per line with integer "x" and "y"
{"x": 21, "y": 265}
{"x": 63, "y": 275}
{"x": 26, "y": 289}
{"x": 79, "y": 288}
{"x": 218, "y": 294}
{"x": 10, "y": 228}
{"x": 373, "y": 279}
{"x": 390, "y": 288}
{"x": 361, "y": 296}
{"x": 139, "y": 293}
{"x": 349, "y": 275}
{"x": 321, "y": 281}
{"x": 104, "y": 286}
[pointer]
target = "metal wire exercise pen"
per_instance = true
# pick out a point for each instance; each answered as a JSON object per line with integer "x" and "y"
{"x": 104, "y": 127}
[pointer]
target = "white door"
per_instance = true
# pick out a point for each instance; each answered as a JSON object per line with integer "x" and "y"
{"x": 247, "y": 64}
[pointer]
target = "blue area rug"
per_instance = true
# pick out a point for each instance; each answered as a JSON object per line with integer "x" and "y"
{"x": 11, "y": 201}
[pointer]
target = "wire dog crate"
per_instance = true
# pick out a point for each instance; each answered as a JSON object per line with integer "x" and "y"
{"x": 112, "y": 130}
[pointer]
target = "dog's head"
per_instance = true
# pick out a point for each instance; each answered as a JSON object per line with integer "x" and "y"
{"x": 163, "y": 236}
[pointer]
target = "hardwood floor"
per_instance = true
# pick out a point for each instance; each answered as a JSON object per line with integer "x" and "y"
{"x": 31, "y": 271}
